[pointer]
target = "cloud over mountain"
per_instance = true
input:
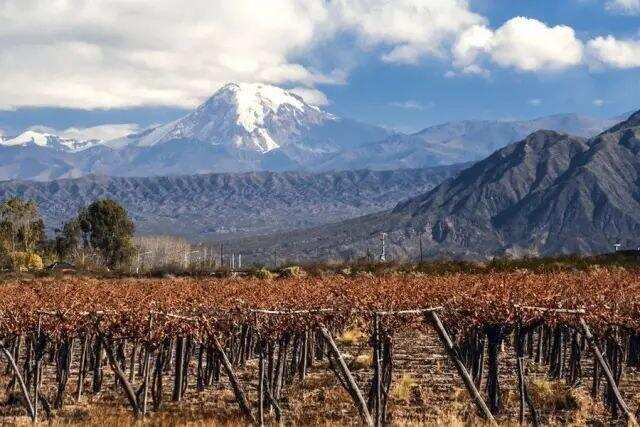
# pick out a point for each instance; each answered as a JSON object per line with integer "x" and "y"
{"x": 107, "y": 54}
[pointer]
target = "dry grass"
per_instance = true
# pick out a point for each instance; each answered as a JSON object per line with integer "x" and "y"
{"x": 404, "y": 388}
{"x": 553, "y": 395}
{"x": 351, "y": 336}
{"x": 363, "y": 361}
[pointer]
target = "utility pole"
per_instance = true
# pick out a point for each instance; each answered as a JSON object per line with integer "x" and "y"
{"x": 383, "y": 255}
{"x": 421, "y": 259}
{"x": 239, "y": 261}
{"x": 221, "y": 256}
{"x": 275, "y": 258}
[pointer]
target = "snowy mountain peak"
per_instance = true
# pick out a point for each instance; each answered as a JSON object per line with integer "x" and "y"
{"x": 248, "y": 116}
{"x": 41, "y": 139}
{"x": 253, "y": 102}
{"x": 29, "y": 137}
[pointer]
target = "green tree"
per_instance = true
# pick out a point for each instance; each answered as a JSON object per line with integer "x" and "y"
{"x": 68, "y": 239}
{"x": 21, "y": 226}
{"x": 103, "y": 226}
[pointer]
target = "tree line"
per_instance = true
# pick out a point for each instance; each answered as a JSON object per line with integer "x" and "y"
{"x": 101, "y": 234}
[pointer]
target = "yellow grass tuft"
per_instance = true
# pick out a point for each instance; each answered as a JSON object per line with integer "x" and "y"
{"x": 363, "y": 361}
{"x": 404, "y": 388}
{"x": 351, "y": 336}
{"x": 556, "y": 395}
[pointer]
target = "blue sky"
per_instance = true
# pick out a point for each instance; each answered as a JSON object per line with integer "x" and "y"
{"x": 378, "y": 88}
{"x": 404, "y": 64}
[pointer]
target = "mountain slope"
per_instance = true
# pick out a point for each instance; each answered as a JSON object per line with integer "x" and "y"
{"x": 548, "y": 194}
{"x": 599, "y": 198}
{"x": 242, "y": 127}
{"x": 255, "y": 127}
{"x": 208, "y": 206}
{"x": 457, "y": 142}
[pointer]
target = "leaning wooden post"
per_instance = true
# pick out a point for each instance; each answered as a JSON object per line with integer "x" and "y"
{"x": 241, "y": 397}
{"x": 351, "y": 382}
{"x": 607, "y": 372}
{"x": 23, "y": 387}
{"x": 462, "y": 370}
{"x": 115, "y": 366}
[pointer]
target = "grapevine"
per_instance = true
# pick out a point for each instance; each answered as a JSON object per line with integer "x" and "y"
{"x": 225, "y": 322}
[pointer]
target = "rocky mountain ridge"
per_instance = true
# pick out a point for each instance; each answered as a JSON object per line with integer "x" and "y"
{"x": 255, "y": 127}
{"x": 548, "y": 194}
{"x": 203, "y": 207}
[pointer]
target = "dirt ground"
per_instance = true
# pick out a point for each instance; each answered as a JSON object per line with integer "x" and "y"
{"x": 426, "y": 390}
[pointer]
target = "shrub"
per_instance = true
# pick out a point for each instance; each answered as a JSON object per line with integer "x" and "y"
{"x": 263, "y": 273}
{"x": 27, "y": 261}
{"x": 293, "y": 271}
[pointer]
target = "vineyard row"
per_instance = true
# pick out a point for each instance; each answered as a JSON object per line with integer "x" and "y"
{"x": 156, "y": 328}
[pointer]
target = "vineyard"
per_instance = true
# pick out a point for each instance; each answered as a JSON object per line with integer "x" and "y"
{"x": 159, "y": 341}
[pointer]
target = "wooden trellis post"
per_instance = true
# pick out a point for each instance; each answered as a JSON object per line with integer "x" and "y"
{"x": 241, "y": 397}
{"x": 115, "y": 366}
{"x": 462, "y": 370}
{"x": 599, "y": 359}
{"x": 607, "y": 372}
{"x": 350, "y": 381}
{"x": 23, "y": 387}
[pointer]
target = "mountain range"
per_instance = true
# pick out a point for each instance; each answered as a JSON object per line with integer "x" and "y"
{"x": 550, "y": 193}
{"x": 255, "y": 127}
{"x": 211, "y": 206}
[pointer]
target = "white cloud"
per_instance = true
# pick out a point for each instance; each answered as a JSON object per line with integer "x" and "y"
{"x": 530, "y": 45}
{"x": 475, "y": 69}
{"x": 103, "y": 132}
{"x": 411, "y": 104}
{"x": 117, "y": 53}
{"x": 521, "y": 43}
{"x": 472, "y": 43}
{"x": 598, "y": 102}
{"x": 625, "y": 7}
{"x": 410, "y": 29}
{"x": 608, "y": 51}
{"x": 536, "y": 102}
{"x": 311, "y": 96}
{"x": 105, "y": 53}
